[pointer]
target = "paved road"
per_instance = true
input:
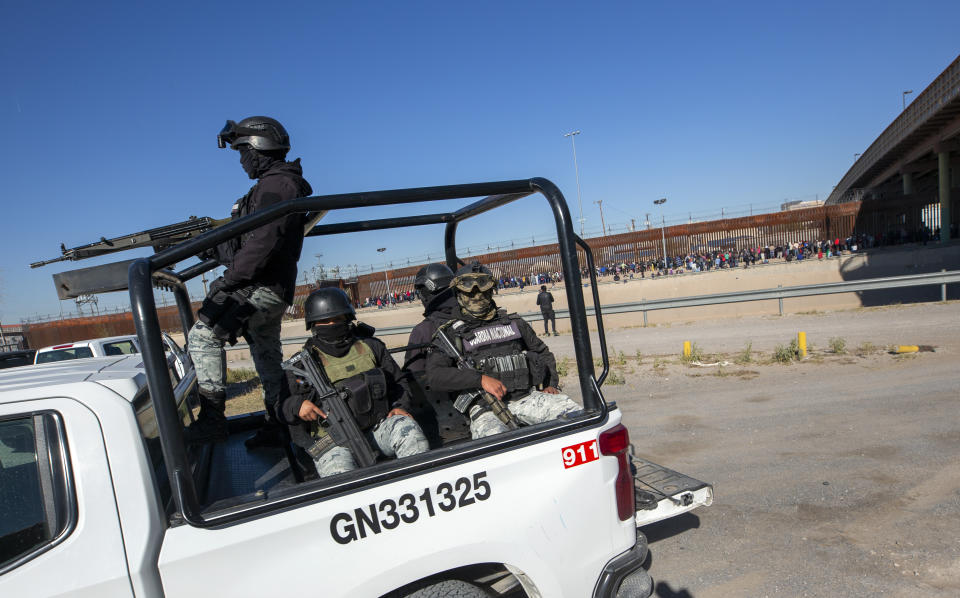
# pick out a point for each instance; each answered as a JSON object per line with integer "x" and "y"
{"x": 838, "y": 477}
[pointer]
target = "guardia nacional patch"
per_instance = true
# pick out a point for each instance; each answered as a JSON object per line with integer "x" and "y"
{"x": 488, "y": 335}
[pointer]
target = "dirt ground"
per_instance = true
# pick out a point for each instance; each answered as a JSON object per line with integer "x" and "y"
{"x": 835, "y": 476}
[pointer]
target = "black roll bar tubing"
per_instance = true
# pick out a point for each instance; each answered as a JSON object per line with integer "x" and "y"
{"x": 211, "y": 238}
{"x": 144, "y": 310}
{"x": 369, "y": 225}
{"x": 184, "y": 309}
{"x": 571, "y": 266}
{"x": 596, "y": 309}
{"x": 196, "y": 270}
{"x": 143, "y": 304}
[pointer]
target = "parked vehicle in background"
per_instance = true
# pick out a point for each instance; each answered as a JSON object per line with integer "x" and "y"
{"x": 13, "y": 359}
{"x": 98, "y": 347}
{"x": 110, "y": 346}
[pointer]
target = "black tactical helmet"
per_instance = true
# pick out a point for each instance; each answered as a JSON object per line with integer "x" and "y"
{"x": 432, "y": 278}
{"x": 259, "y": 132}
{"x": 327, "y": 303}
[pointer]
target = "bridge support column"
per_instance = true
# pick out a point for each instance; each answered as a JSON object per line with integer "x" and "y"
{"x": 943, "y": 178}
{"x": 908, "y": 183}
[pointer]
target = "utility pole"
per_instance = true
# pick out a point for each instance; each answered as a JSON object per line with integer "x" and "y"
{"x": 603, "y": 223}
{"x": 576, "y": 170}
{"x": 663, "y": 226}
{"x": 386, "y": 279}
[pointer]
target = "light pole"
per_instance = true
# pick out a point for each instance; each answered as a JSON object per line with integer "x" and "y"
{"x": 663, "y": 227}
{"x": 903, "y": 97}
{"x": 385, "y": 277}
{"x": 576, "y": 170}
{"x": 855, "y": 156}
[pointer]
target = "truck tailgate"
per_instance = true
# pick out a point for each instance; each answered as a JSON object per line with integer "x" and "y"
{"x": 663, "y": 493}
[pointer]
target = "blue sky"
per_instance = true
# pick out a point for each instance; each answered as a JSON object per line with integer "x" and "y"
{"x": 111, "y": 110}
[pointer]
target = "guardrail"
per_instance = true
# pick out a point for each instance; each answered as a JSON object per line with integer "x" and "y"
{"x": 780, "y": 293}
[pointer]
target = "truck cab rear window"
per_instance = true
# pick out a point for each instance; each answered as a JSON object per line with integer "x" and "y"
{"x": 119, "y": 348}
{"x": 64, "y": 354}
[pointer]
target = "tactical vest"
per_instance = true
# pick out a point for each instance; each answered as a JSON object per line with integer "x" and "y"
{"x": 364, "y": 383}
{"x": 496, "y": 349}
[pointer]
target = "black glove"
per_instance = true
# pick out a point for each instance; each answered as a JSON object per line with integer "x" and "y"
{"x": 217, "y": 286}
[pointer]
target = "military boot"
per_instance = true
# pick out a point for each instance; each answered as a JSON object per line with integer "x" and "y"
{"x": 211, "y": 424}
{"x": 268, "y": 435}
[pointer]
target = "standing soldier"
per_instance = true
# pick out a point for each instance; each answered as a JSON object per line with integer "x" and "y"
{"x": 545, "y": 301}
{"x": 257, "y": 287}
{"x": 510, "y": 361}
{"x": 355, "y": 362}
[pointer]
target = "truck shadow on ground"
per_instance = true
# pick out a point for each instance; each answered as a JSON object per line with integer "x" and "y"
{"x": 670, "y": 527}
{"x": 661, "y": 531}
{"x": 663, "y": 590}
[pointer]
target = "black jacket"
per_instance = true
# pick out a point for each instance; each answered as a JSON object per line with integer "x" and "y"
{"x": 545, "y": 301}
{"x": 444, "y": 376}
{"x": 268, "y": 255}
{"x": 442, "y": 309}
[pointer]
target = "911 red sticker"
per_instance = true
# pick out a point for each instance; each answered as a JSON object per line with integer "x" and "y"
{"x": 578, "y": 454}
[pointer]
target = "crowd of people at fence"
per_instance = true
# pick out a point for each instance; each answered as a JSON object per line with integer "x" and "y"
{"x": 703, "y": 261}
{"x": 694, "y": 261}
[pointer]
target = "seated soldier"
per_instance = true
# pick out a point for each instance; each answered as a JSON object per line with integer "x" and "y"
{"x": 378, "y": 395}
{"x": 509, "y": 360}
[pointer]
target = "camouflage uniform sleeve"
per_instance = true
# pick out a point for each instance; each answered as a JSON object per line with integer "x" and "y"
{"x": 398, "y": 385}
{"x": 542, "y": 352}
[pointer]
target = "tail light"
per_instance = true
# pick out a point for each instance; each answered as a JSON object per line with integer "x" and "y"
{"x": 614, "y": 443}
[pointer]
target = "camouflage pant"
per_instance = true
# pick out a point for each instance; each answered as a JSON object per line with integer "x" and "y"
{"x": 397, "y": 436}
{"x": 263, "y": 332}
{"x": 535, "y": 408}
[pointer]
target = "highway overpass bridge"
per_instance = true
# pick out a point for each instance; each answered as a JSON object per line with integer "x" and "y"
{"x": 914, "y": 165}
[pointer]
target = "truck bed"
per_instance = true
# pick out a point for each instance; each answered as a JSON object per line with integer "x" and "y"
{"x": 231, "y": 471}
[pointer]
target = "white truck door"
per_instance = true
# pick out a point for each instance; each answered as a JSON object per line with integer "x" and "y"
{"x": 59, "y": 529}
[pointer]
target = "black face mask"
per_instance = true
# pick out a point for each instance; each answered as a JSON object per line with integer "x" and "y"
{"x": 334, "y": 335}
{"x": 255, "y": 163}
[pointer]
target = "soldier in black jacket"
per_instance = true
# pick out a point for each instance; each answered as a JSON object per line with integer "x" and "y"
{"x": 511, "y": 362}
{"x": 258, "y": 284}
{"x": 545, "y": 301}
{"x": 434, "y": 410}
{"x": 377, "y": 390}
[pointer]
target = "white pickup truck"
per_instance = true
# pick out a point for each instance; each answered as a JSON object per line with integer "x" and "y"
{"x": 99, "y": 495}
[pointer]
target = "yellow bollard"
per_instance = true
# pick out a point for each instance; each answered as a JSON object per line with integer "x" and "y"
{"x": 802, "y": 344}
{"x": 906, "y": 349}
{"x": 686, "y": 348}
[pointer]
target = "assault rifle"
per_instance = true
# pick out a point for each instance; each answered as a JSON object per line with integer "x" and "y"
{"x": 343, "y": 426}
{"x": 158, "y": 238}
{"x": 465, "y": 399}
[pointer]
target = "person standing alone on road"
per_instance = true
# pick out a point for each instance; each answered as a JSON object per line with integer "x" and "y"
{"x": 545, "y": 301}
{"x": 257, "y": 286}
